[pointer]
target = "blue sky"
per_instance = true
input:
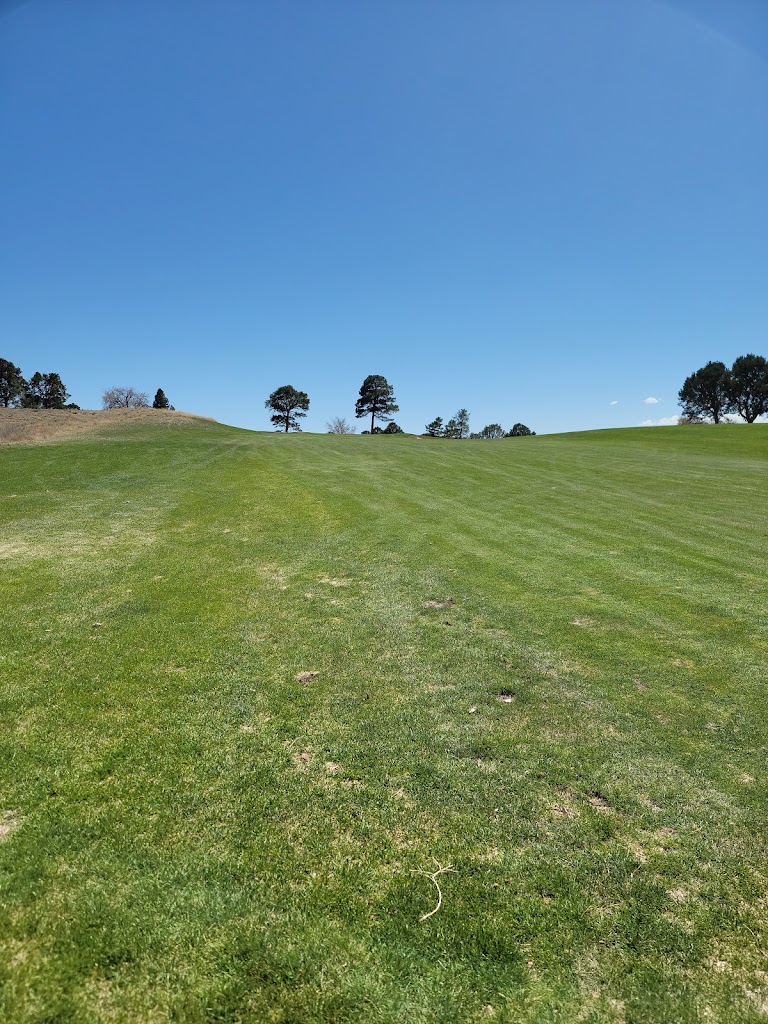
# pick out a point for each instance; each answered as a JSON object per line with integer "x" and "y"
{"x": 530, "y": 208}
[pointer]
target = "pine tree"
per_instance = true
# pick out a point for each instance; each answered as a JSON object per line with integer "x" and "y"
{"x": 376, "y": 399}
{"x": 160, "y": 402}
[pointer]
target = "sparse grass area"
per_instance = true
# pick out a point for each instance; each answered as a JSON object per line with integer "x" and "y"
{"x": 238, "y": 738}
{"x": 40, "y": 426}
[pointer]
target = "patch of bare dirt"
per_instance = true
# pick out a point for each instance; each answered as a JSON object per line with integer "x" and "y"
{"x": 598, "y": 800}
{"x": 682, "y": 663}
{"x": 303, "y": 759}
{"x": 8, "y": 822}
{"x": 306, "y": 677}
{"x": 506, "y": 696}
{"x": 39, "y": 426}
{"x": 447, "y": 603}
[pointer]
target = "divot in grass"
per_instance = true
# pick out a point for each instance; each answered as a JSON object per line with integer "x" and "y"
{"x": 8, "y": 822}
{"x": 598, "y": 800}
{"x": 563, "y": 811}
{"x": 306, "y": 677}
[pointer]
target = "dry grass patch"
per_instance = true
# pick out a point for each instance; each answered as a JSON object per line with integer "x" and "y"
{"x": 39, "y": 426}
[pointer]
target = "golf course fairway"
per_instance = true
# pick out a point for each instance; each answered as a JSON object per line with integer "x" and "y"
{"x": 304, "y": 728}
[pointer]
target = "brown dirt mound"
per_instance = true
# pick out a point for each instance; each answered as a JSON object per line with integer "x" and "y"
{"x": 38, "y": 426}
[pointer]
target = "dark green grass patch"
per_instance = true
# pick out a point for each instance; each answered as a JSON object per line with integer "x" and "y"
{"x": 256, "y": 689}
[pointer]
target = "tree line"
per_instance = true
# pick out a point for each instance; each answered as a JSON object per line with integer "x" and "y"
{"x": 457, "y": 427}
{"x": 714, "y": 391}
{"x": 377, "y": 400}
{"x": 41, "y": 391}
{"x": 47, "y": 391}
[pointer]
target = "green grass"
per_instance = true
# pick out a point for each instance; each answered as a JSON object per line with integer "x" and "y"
{"x": 193, "y": 835}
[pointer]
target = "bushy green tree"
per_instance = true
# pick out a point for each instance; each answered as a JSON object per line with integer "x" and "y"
{"x": 12, "y": 384}
{"x": 160, "y": 401}
{"x": 392, "y": 428}
{"x": 748, "y": 387}
{"x": 33, "y": 392}
{"x": 288, "y": 405}
{"x": 435, "y": 428}
{"x": 520, "y": 430}
{"x": 376, "y": 400}
{"x": 493, "y": 430}
{"x": 706, "y": 393}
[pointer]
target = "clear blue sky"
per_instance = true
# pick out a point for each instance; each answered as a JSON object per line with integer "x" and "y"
{"x": 531, "y": 208}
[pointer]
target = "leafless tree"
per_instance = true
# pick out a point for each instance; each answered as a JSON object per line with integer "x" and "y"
{"x": 124, "y": 398}
{"x": 338, "y": 425}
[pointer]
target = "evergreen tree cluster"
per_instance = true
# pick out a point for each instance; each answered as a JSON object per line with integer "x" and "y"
{"x": 47, "y": 391}
{"x": 714, "y": 391}
{"x": 41, "y": 391}
{"x": 457, "y": 427}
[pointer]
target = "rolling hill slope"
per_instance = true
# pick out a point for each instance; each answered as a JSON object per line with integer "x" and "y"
{"x": 258, "y": 690}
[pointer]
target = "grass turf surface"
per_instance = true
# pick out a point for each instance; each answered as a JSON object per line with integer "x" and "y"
{"x": 191, "y": 834}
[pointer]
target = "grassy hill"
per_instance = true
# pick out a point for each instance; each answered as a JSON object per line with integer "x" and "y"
{"x": 257, "y": 689}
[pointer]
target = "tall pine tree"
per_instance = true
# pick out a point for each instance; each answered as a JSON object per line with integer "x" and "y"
{"x": 376, "y": 400}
